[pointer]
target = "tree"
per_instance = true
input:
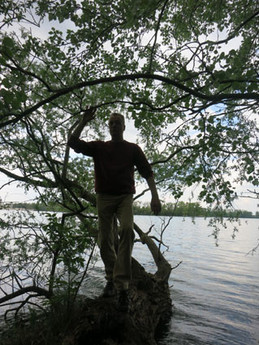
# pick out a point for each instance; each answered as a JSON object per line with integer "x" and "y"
{"x": 184, "y": 72}
{"x": 191, "y": 64}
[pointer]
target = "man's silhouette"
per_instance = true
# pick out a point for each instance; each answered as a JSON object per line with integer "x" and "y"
{"x": 114, "y": 163}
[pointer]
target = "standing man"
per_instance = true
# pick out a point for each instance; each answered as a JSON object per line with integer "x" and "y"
{"x": 114, "y": 163}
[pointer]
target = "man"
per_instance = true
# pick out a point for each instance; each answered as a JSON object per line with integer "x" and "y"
{"x": 114, "y": 163}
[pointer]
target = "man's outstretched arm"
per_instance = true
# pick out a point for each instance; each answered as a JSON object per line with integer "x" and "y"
{"x": 155, "y": 202}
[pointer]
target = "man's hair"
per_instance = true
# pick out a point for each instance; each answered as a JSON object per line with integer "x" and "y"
{"x": 118, "y": 115}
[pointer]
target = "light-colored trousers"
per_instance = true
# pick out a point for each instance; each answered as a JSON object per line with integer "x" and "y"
{"x": 117, "y": 261}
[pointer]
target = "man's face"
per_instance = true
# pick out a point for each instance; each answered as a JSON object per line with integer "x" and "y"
{"x": 116, "y": 127}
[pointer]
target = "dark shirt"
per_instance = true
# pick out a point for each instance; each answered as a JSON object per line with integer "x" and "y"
{"x": 114, "y": 164}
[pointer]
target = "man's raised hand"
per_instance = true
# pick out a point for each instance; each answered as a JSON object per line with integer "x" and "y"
{"x": 89, "y": 114}
{"x": 77, "y": 128}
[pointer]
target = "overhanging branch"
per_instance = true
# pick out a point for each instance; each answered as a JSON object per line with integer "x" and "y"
{"x": 47, "y": 183}
{"x": 25, "y": 290}
{"x": 136, "y": 76}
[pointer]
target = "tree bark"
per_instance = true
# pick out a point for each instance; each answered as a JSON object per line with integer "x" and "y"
{"x": 102, "y": 324}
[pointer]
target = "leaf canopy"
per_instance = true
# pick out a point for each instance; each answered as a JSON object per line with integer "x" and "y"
{"x": 185, "y": 72}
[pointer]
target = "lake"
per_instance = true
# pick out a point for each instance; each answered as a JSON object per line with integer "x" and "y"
{"x": 215, "y": 290}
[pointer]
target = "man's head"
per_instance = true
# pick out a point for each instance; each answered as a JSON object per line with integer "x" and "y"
{"x": 116, "y": 126}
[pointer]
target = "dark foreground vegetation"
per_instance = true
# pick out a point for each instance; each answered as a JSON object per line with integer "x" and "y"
{"x": 97, "y": 321}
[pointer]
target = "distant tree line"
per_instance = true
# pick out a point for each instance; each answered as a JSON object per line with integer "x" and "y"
{"x": 180, "y": 209}
{"x": 51, "y": 207}
{"x": 192, "y": 209}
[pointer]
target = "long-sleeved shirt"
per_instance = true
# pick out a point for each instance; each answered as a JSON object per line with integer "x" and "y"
{"x": 114, "y": 164}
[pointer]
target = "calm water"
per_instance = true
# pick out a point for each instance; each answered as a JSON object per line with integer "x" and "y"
{"x": 215, "y": 290}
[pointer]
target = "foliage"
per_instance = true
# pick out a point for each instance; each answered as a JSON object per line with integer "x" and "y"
{"x": 185, "y": 72}
{"x": 42, "y": 255}
{"x": 42, "y": 328}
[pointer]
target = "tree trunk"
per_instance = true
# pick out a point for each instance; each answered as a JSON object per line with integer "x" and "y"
{"x": 150, "y": 308}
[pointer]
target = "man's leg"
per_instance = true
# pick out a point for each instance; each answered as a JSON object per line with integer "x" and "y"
{"x": 106, "y": 209}
{"x": 122, "y": 268}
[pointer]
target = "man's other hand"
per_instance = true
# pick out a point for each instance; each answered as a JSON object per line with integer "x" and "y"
{"x": 155, "y": 205}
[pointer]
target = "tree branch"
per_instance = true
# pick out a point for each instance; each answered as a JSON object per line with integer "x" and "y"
{"x": 25, "y": 72}
{"x": 156, "y": 34}
{"x": 24, "y": 290}
{"x": 163, "y": 267}
{"x": 166, "y": 80}
{"x": 47, "y": 183}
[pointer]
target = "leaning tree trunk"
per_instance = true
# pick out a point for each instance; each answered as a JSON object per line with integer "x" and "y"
{"x": 150, "y": 308}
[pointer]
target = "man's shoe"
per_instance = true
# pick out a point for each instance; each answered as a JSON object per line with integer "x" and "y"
{"x": 123, "y": 301}
{"x": 109, "y": 290}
